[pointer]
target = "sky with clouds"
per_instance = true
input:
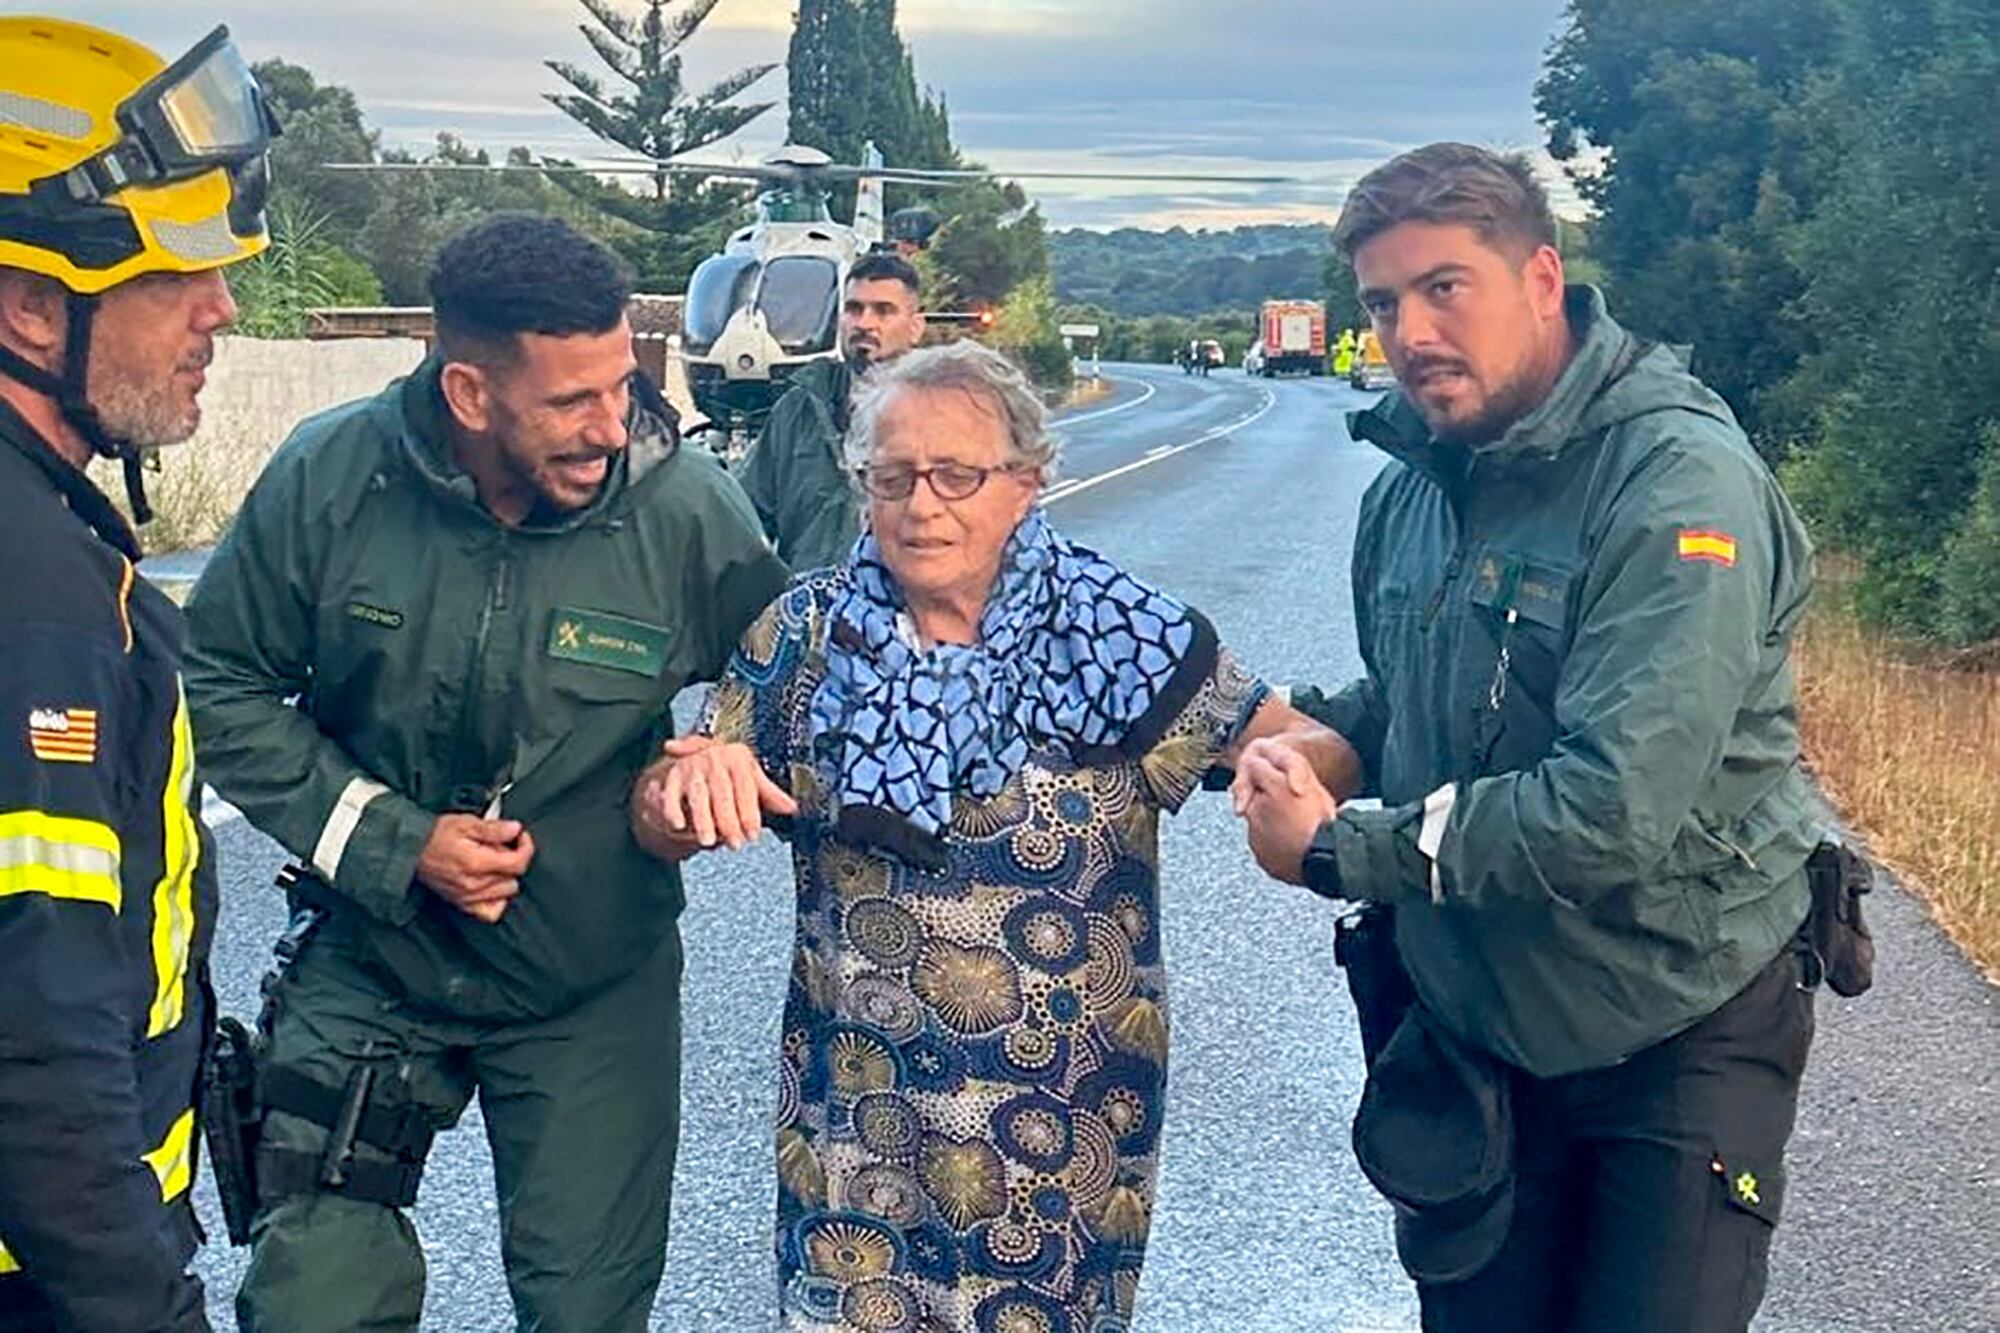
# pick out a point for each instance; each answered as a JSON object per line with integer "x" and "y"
{"x": 1319, "y": 90}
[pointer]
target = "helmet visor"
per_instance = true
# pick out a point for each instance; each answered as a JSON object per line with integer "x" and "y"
{"x": 215, "y": 110}
{"x": 203, "y": 110}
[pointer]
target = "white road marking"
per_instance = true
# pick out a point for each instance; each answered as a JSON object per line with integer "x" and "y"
{"x": 1062, "y": 490}
{"x": 1063, "y": 422}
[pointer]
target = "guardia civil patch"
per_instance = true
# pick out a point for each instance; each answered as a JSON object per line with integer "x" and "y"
{"x": 63, "y": 735}
{"x": 600, "y": 639}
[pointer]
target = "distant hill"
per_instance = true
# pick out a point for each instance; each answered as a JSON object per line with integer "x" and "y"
{"x": 1179, "y": 272}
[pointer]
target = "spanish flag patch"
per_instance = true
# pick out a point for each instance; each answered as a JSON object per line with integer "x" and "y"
{"x": 1715, "y": 547}
{"x": 63, "y": 735}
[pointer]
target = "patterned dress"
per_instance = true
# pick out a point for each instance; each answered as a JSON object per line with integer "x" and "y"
{"x": 974, "y": 1053}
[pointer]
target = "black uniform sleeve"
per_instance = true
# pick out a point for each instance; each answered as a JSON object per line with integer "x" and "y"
{"x": 79, "y": 1206}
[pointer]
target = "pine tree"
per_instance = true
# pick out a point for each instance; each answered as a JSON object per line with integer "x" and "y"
{"x": 685, "y": 218}
{"x": 659, "y": 118}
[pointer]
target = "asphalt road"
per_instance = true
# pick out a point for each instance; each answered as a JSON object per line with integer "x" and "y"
{"x": 1240, "y": 496}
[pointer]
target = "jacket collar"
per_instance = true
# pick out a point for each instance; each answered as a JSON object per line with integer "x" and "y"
{"x": 70, "y": 482}
{"x": 424, "y": 428}
{"x": 1604, "y": 353}
{"x": 829, "y": 386}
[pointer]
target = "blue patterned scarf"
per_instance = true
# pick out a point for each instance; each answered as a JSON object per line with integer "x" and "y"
{"x": 1072, "y": 653}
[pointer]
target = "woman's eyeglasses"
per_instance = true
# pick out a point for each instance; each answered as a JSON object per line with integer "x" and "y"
{"x": 948, "y": 481}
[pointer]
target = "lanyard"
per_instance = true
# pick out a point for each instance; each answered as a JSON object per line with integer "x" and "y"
{"x": 1510, "y": 588}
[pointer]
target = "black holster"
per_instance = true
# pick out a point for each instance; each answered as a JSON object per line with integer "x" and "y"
{"x": 232, "y": 1108}
{"x": 365, "y": 1110}
{"x": 1364, "y": 945}
{"x": 231, "y": 1124}
{"x": 1842, "y": 950}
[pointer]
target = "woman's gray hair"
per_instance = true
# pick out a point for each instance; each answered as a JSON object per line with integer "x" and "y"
{"x": 969, "y": 367}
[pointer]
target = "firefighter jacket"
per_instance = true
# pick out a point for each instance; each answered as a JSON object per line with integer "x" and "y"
{"x": 107, "y": 905}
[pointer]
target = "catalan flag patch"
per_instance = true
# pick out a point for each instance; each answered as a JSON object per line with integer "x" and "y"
{"x": 63, "y": 735}
{"x": 1718, "y": 548}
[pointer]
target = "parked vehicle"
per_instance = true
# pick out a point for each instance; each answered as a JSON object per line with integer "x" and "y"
{"x": 1294, "y": 338}
{"x": 1371, "y": 364}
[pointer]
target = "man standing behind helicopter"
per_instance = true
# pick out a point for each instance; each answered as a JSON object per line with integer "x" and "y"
{"x": 794, "y": 474}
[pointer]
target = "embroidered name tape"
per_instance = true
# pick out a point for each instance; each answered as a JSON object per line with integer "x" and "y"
{"x": 598, "y": 638}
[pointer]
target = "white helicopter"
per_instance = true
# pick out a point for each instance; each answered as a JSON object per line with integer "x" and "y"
{"x": 769, "y": 303}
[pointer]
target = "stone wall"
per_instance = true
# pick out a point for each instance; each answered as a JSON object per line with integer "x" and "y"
{"x": 258, "y": 390}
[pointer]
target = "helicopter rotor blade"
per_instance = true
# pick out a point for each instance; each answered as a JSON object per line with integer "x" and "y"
{"x": 844, "y": 173}
{"x": 920, "y": 176}
{"x": 734, "y": 170}
{"x": 622, "y": 168}
{"x": 1165, "y": 177}
{"x": 538, "y": 168}
{"x": 792, "y": 174}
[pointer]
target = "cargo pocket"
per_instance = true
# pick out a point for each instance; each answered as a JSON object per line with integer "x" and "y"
{"x": 601, "y": 694}
{"x": 1522, "y": 608}
{"x": 1736, "y": 1267}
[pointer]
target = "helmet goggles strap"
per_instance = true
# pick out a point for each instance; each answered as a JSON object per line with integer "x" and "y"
{"x": 70, "y": 392}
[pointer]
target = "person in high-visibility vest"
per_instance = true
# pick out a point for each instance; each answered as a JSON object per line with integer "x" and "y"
{"x": 1343, "y": 354}
{"x": 126, "y": 185}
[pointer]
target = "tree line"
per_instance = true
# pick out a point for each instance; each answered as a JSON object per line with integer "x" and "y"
{"x": 1130, "y": 272}
{"x": 1154, "y": 292}
{"x": 368, "y": 238}
{"x": 1809, "y": 192}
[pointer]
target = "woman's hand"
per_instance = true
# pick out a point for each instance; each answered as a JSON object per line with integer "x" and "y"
{"x": 1283, "y": 802}
{"x": 701, "y": 792}
{"x": 1333, "y": 761}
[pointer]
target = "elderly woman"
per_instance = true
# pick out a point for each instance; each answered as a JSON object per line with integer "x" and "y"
{"x": 969, "y": 732}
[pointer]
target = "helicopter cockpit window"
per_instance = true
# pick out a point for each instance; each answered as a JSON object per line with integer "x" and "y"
{"x": 720, "y": 287}
{"x": 799, "y": 298}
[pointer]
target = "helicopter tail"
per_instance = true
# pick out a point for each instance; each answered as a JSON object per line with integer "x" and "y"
{"x": 869, "y": 209}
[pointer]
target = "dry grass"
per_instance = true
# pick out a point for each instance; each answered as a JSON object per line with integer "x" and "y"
{"x": 194, "y": 494}
{"x": 1908, "y": 746}
{"x": 258, "y": 390}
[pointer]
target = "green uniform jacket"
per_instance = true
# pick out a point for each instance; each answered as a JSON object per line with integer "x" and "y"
{"x": 440, "y": 659}
{"x": 796, "y": 476}
{"x": 1579, "y": 711}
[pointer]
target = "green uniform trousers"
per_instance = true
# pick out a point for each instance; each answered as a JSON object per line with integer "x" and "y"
{"x": 582, "y": 1114}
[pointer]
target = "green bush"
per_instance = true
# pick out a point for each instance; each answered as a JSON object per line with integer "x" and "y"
{"x": 1805, "y": 190}
{"x": 301, "y": 270}
{"x": 1027, "y": 330}
{"x": 1971, "y": 575}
